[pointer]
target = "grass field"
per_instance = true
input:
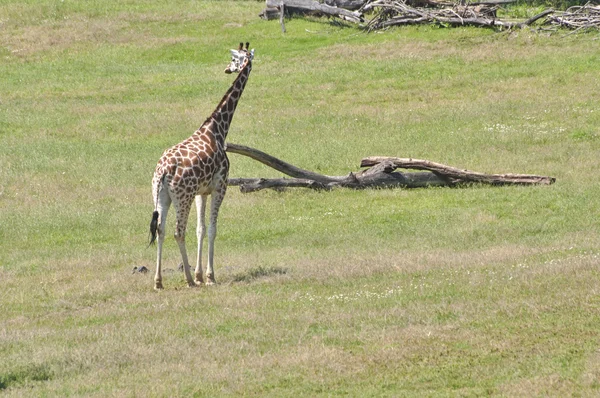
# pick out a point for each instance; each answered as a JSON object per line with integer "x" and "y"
{"x": 433, "y": 292}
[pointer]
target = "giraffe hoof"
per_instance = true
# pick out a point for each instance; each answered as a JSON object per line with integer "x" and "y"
{"x": 199, "y": 281}
{"x": 158, "y": 285}
{"x": 192, "y": 284}
{"x": 210, "y": 280}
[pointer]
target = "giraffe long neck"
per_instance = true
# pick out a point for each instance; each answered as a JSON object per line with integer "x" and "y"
{"x": 223, "y": 114}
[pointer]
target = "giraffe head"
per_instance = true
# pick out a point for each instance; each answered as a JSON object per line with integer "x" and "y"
{"x": 239, "y": 58}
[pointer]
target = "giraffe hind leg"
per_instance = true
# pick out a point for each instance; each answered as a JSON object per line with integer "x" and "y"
{"x": 162, "y": 208}
{"x": 186, "y": 264}
{"x": 183, "y": 210}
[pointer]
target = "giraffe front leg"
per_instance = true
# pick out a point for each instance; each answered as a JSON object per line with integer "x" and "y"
{"x": 200, "y": 234}
{"x": 215, "y": 204}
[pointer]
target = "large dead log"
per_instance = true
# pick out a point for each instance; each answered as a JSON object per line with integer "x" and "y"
{"x": 313, "y": 6}
{"x": 492, "y": 2}
{"x": 382, "y": 174}
{"x": 270, "y": 13}
{"x": 346, "y": 4}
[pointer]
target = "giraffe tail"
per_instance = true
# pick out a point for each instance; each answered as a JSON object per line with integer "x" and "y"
{"x": 153, "y": 227}
{"x": 154, "y": 221}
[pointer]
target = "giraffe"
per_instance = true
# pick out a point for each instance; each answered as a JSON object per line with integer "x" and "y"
{"x": 194, "y": 169}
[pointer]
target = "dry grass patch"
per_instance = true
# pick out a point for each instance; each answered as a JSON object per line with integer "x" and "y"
{"x": 410, "y": 329}
{"x": 591, "y": 374}
{"x": 540, "y": 386}
{"x": 80, "y": 31}
{"x": 66, "y": 34}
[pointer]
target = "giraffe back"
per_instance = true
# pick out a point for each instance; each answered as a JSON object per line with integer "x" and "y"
{"x": 195, "y": 166}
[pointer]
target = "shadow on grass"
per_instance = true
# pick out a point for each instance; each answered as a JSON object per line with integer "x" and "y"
{"x": 24, "y": 374}
{"x": 252, "y": 274}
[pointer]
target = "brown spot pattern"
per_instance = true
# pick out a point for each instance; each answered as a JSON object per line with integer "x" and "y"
{"x": 199, "y": 164}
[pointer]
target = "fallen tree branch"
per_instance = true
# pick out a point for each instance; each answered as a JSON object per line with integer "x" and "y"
{"x": 381, "y": 174}
{"x": 534, "y": 18}
{"x": 256, "y": 184}
{"x": 458, "y": 175}
{"x": 280, "y": 165}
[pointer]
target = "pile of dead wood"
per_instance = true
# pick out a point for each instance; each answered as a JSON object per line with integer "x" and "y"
{"x": 393, "y": 13}
{"x": 385, "y": 13}
{"x": 577, "y": 18}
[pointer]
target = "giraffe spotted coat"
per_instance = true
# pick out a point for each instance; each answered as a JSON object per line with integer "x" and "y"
{"x": 193, "y": 170}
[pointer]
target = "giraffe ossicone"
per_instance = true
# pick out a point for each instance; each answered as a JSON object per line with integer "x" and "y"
{"x": 193, "y": 170}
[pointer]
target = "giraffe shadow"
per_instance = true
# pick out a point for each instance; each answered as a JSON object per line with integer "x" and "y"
{"x": 255, "y": 273}
{"x": 248, "y": 275}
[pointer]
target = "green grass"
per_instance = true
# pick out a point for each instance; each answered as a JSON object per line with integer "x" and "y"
{"x": 430, "y": 292}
